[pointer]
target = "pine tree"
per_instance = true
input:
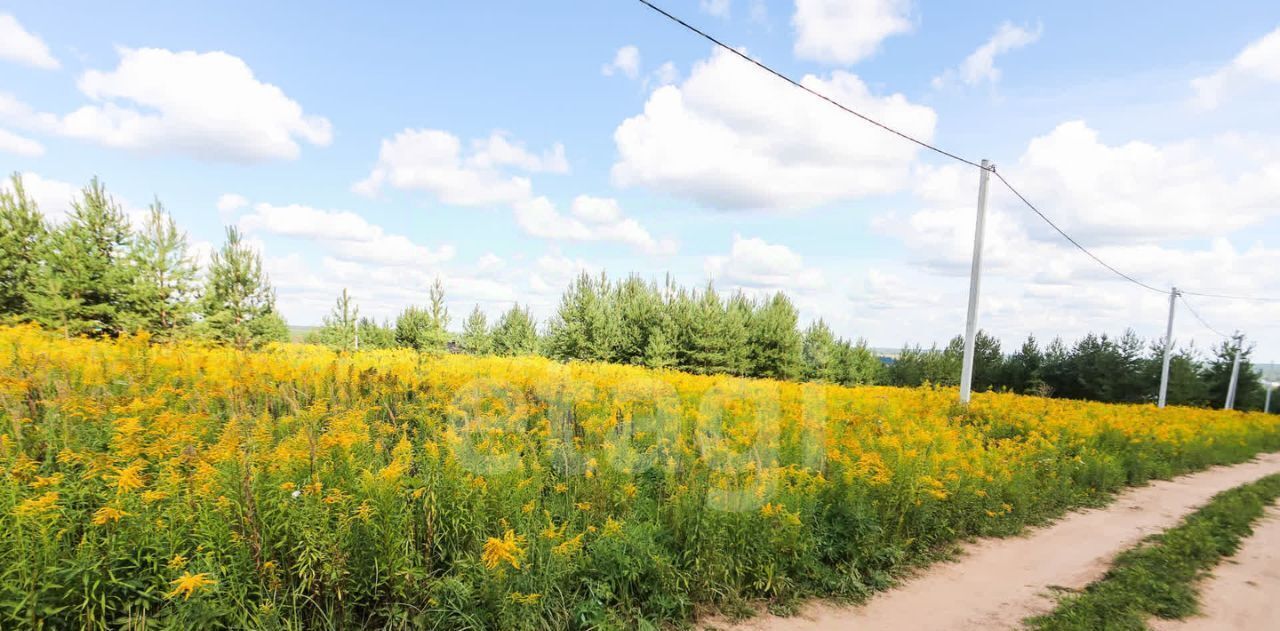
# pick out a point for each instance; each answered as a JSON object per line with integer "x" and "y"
{"x": 439, "y": 314}
{"x": 238, "y": 304}
{"x": 659, "y": 351}
{"x": 425, "y": 329}
{"x": 515, "y": 334}
{"x": 163, "y": 293}
{"x": 988, "y": 360}
{"x": 1021, "y": 371}
{"x": 638, "y": 308}
{"x": 23, "y": 240}
{"x": 373, "y": 335}
{"x": 90, "y": 258}
{"x": 820, "y": 352}
{"x": 1217, "y": 376}
{"x": 476, "y": 338}
{"x": 413, "y": 329}
{"x": 341, "y": 327}
{"x": 774, "y": 340}
{"x": 585, "y": 326}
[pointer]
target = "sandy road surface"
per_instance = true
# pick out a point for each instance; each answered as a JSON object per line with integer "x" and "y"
{"x": 996, "y": 583}
{"x": 1244, "y": 591}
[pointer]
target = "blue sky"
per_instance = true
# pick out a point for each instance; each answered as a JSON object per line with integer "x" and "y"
{"x": 500, "y": 148}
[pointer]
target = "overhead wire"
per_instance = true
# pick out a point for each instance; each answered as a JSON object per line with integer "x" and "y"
{"x": 1197, "y": 316}
{"x": 1073, "y": 241}
{"x": 942, "y": 152}
{"x": 797, "y": 84}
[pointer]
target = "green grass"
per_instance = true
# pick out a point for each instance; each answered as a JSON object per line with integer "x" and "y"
{"x": 1159, "y": 577}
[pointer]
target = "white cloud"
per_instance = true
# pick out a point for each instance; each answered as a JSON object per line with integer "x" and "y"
{"x": 755, "y": 264}
{"x": 732, "y": 137}
{"x": 980, "y": 65}
{"x": 625, "y": 61}
{"x": 1258, "y": 63}
{"x": 498, "y": 151}
{"x": 1164, "y": 214}
{"x": 20, "y": 145}
{"x": 666, "y": 74}
{"x": 847, "y": 31}
{"x": 431, "y": 160}
{"x": 347, "y": 235}
{"x": 204, "y": 105}
{"x": 717, "y": 8}
{"x": 554, "y": 271}
{"x": 230, "y": 203}
{"x": 53, "y": 197}
{"x": 19, "y": 45}
{"x": 589, "y": 219}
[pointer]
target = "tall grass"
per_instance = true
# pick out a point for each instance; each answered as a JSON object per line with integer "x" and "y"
{"x": 183, "y": 486}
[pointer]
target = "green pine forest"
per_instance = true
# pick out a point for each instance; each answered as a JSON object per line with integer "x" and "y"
{"x": 97, "y": 275}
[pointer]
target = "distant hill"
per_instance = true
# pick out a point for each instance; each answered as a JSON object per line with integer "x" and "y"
{"x": 299, "y": 333}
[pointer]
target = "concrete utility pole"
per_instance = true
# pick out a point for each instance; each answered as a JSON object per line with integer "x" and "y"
{"x": 1235, "y": 375}
{"x": 975, "y": 279}
{"x": 1266, "y": 407}
{"x": 1168, "y": 347}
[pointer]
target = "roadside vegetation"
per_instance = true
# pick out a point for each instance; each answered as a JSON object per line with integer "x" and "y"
{"x": 195, "y": 485}
{"x": 1160, "y": 576}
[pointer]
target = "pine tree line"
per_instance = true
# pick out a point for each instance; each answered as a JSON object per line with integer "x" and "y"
{"x": 1096, "y": 367}
{"x": 95, "y": 275}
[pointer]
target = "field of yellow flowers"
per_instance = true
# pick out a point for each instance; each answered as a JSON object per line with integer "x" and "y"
{"x": 184, "y": 486}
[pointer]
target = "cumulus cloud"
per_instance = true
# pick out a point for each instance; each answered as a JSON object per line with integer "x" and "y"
{"x": 980, "y": 65}
{"x": 432, "y": 160}
{"x": 732, "y": 137}
{"x": 231, "y": 203}
{"x": 554, "y": 271}
{"x": 1258, "y": 63}
{"x": 20, "y": 46}
{"x": 626, "y": 61}
{"x": 1165, "y": 214}
{"x": 847, "y": 31}
{"x": 347, "y": 235}
{"x": 19, "y": 145}
{"x": 753, "y": 263}
{"x": 203, "y": 105}
{"x": 589, "y": 219}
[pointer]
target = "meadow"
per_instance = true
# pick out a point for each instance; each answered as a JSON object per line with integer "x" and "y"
{"x": 185, "y": 485}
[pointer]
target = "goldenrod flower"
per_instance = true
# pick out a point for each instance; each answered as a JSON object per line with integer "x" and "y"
{"x": 129, "y": 478}
{"x": 38, "y": 506}
{"x": 188, "y": 584}
{"x": 507, "y": 549}
{"x": 106, "y": 515}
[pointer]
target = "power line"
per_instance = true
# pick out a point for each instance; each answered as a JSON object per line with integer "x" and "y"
{"x": 1073, "y": 241}
{"x": 797, "y": 84}
{"x": 1231, "y": 297}
{"x": 1197, "y": 315}
{"x": 935, "y": 149}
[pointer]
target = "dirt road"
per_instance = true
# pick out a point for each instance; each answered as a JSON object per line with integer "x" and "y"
{"x": 996, "y": 583}
{"x": 1244, "y": 591}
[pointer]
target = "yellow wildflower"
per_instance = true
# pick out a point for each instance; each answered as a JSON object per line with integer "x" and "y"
{"x": 106, "y": 515}
{"x": 188, "y": 584}
{"x": 42, "y": 481}
{"x": 129, "y": 478}
{"x": 37, "y": 506}
{"x": 504, "y": 550}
